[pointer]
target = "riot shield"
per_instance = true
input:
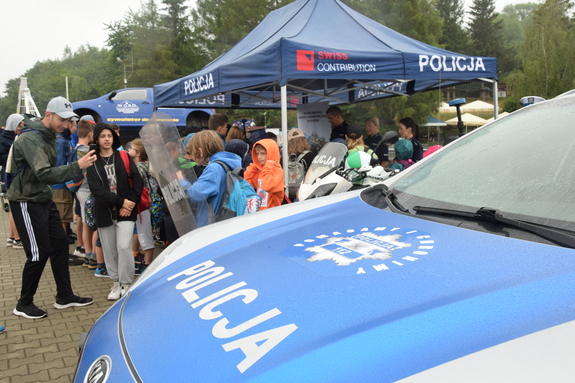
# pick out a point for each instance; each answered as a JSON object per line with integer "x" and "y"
{"x": 165, "y": 152}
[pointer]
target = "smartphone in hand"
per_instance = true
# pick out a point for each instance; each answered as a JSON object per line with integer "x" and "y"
{"x": 93, "y": 147}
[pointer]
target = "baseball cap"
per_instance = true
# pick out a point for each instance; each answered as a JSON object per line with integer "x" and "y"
{"x": 89, "y": 118}
{"x": 187, "y": 139}
{"x": 294, "y": 133}
{"x": 61, "y": 107}
{"x": 354, "y": 131}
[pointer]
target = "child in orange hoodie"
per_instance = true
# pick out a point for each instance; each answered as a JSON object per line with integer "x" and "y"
{"x": 265, "y": 173}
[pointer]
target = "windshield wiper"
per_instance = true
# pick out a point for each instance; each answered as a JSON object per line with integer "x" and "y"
{"x": 494, "y": 215}
{"x": 373, "y": 197}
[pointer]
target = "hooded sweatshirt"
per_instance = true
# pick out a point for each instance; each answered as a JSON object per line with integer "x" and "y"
{"x": 7, "y": 137}
{"x": 107, "y": 204}
{"x": 211, "y": 185}
{"x": 35, "y": 153}
{"x": 267, "y": 179}
{"x": 403, "y": 153}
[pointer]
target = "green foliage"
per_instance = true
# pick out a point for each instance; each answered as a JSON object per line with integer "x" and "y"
{"x": 220, "y": 24}
{"x": 485, "y": 30}
{"x": 548, "y": 53}
{"x": 418, "y": 19}
{"x": 453, "y": 37}
{"x": 510, "y": 106}
{"x": 513, "y": 19}
{"x": 165, "y": 40}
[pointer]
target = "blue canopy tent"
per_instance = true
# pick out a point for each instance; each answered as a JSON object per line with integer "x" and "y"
{"x": 322, "y": 50}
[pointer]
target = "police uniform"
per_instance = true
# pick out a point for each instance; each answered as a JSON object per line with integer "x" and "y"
{"x": 382, "y": 152}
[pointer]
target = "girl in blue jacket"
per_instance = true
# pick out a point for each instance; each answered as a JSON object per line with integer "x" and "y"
{"x": 205, "y": 148}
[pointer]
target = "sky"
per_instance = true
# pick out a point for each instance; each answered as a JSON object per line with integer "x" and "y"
{"x": 46, "y": 27}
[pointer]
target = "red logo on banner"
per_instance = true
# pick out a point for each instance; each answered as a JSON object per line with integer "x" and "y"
{"x": 305, "y": 60}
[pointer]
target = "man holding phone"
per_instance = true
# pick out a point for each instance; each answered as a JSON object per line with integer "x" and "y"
{"x": 35, "y": 214}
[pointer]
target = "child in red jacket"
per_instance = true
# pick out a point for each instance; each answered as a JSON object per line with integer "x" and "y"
{"x": 265, "y": 174}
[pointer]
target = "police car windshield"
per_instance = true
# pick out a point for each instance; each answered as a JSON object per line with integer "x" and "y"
{"x": 328, "y": 158}
{"x": 522, "y": 164}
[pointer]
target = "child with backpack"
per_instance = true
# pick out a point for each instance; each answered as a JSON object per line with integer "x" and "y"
{"x": 138, "y": 154}
{"x": 403, "y": 153}
{"x": 265, "y": 173}
{"x": 206, "y": 147}
{"x": 300, "y": 158}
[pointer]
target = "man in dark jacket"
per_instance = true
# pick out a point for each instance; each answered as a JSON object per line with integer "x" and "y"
{"x": 35, "y": 214}
{"x": 339, "y": 126}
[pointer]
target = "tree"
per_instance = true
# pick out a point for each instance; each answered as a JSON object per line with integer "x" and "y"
{"x": 454, "y": 37}
{"x": 514, "y": 18}
{"x": 418, "y": 19}
{"x": 181, "y": 45}
{"x": 485, "y": 31}
{"x": 220, "y": 24}
{"x": 548, "y": 53}
{"x": 155, "y": 46}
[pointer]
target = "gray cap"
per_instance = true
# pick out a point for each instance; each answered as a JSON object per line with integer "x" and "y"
{"x": 61, "y": 107}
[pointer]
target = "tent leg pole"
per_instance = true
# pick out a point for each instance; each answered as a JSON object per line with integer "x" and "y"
{"x": 495, "y": 101}
{"x": 284, "y": 133}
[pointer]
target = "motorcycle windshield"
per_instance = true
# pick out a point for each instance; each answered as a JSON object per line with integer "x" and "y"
{"x": 329, "y": 157}
{"x": 166, "y": 155}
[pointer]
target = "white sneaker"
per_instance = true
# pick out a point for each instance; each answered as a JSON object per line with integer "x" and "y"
{"x": 79, "y": 254}
{"x": 125, "y": 288}
{"x": 116, "y": 292}
{"x": 9, "y": 242}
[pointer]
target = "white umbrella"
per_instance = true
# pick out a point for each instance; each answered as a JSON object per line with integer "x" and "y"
{"x": 445, "y": 108}
{"x": 477, "y": 107}
{"x": 468, "y": 120}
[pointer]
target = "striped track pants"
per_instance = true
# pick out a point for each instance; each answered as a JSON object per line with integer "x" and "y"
{"x": 43, "y": 237}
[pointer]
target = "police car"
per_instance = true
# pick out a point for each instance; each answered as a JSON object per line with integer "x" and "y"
{"x": 461, "y": 268}
{"x": 131, "y": 108}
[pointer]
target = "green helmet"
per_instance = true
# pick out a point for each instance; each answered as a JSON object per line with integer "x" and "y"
{"x": 357, "y": 159}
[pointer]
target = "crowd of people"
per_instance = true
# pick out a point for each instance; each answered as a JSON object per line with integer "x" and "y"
{"x": 66, "y": 169}
{"x": 408, "y": 149}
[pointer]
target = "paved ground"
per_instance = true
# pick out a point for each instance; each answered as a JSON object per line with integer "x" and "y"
{"x": 44, "y": 350}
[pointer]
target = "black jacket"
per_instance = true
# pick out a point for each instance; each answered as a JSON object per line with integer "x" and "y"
{"x": 7, "y": 138}
{"x": 107, "y": 204}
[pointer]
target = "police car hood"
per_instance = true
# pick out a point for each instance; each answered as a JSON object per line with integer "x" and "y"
{"x": 342, "y": 292}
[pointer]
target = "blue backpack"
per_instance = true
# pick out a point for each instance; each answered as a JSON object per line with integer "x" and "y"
{"x": 239, "y": 196}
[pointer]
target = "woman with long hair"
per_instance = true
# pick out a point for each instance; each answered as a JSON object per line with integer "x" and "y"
{"x": 409, "y": 130}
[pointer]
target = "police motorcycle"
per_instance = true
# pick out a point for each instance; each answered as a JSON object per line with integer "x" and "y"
{"x": 331, "y": 172}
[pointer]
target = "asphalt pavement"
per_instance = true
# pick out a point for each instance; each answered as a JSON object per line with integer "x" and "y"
{"x": 44, "y": 350}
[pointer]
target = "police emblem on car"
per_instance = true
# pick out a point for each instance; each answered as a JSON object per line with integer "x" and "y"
{"x": 362, "y": 249}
